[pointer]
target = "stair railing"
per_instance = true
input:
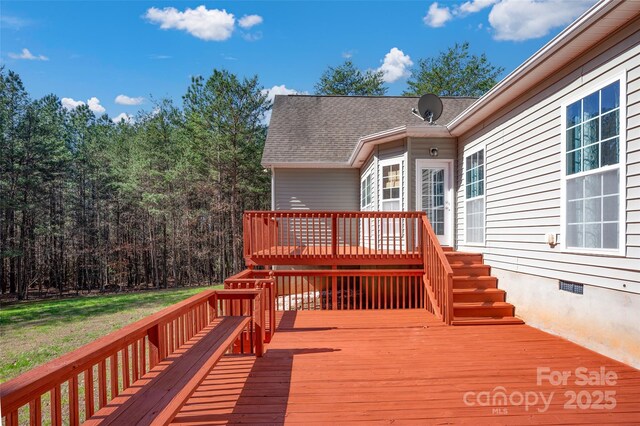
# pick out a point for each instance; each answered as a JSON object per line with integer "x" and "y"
{"x": 438, "y": 275}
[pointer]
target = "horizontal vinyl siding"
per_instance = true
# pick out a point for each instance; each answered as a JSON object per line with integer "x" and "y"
{"x": 317, "y": 189}
{"x": 633, "y": 162}
{"x": 523, "y": 176}
{"x": 391, "y": 150}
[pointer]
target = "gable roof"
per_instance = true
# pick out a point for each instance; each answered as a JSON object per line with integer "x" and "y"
{"x": 336, "y": 131}
{"x": 326, "y": 129}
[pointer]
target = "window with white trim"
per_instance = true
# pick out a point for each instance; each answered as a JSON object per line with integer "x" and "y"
{"x": 366, "y": 192}
{"x": 474, "y": 192}
{"x": 391, "y": 187}
{"x": 592, "y": 172}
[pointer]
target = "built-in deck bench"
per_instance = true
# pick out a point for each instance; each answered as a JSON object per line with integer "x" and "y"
{"x": 144, "y": 372}
{"x": 171, "y": 383}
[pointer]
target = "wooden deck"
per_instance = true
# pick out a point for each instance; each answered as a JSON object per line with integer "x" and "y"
{"x": 404, "y": 366}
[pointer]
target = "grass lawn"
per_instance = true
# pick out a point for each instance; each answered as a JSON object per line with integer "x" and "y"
{"x": 33, "y": 333}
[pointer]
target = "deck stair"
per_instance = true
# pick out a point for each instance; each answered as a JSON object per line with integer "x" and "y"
{"x": 477, "y": 300}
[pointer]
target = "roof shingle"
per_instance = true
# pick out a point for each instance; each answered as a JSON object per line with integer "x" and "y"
{"x": 326, "y": 129}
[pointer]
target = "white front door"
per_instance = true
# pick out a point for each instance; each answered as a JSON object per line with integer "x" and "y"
{"x": 435, "y": 195}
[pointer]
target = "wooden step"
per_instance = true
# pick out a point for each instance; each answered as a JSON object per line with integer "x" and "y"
{"x": 467, "y": 295}
{"x": 472, "y": 270}
{"x": 487, "y": 321}
{"x": 467, "y": 281}
{"x": 483, "y": 309}
{"x": 447, "y": 248}
{"x": 463, "y": 258}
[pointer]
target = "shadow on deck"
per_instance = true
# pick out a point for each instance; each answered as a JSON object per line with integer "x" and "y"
{"x": 405, "y": 366}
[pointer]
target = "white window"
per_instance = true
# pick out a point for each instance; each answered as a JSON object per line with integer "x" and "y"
{"x": 593, "y": 149}
{"x": 474, "y": 192}
{"x": 391, "y": 186}
{"x": 366, "y": 192}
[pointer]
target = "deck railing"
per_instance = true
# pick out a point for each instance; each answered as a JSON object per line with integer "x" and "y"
{"x": 438, "y": 275}
{"x": 345, "y": 289}
{"x": 339, "y": 238}
{"x": 81, "y": 382}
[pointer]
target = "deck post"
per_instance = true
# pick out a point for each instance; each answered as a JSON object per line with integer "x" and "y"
{"x": 334, "y": 290}
{"x": 213, "y": 307}
{"x": 156, "y": 349}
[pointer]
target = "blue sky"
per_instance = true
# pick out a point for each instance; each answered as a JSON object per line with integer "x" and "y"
{"x": 143, "y": 50}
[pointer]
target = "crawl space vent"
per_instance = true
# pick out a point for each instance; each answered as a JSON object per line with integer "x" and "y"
{"x": 572, "y": 287}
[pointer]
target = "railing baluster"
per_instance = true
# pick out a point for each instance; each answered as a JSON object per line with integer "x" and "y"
{"x": 125, "y": 368}
{"x": 35, "y": 412}
{"x": 113, "y": 376}
{"x": 334, "y": 234}
{"x": 12, "y": 418}
{"x": 56, "y": 405}
{"x": 74, "y": 410}
{"x": 88, "y": 393}
{"x": 135, "y": 360}
{"x": 102, "y": 384}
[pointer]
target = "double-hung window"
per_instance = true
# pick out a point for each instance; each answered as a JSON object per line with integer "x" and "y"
{"x": 474, "y": 192}
{"x": 391, "y": 187}
{"x": 593, "y": 151}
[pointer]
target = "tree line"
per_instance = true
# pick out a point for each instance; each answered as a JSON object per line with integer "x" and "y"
{"x": 89, "y": 204}
{"x": 453, "y": 72}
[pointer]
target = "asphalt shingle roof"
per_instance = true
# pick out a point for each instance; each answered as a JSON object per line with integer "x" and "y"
{"x": 326, "y": 129}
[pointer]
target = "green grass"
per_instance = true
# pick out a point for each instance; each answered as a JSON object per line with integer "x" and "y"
{"x": 33, "y": 333}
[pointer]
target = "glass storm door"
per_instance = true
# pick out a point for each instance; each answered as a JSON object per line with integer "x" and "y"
{"x": 434, "y": 197}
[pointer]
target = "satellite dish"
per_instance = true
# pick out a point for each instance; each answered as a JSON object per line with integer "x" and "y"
{"x": 430, "y": 107}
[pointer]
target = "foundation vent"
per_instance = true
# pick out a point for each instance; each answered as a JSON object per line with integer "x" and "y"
{"x": 572, "y": 287}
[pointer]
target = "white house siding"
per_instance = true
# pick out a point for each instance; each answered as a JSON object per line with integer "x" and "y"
{"x": 523, "y": 203}
{"x": 316, "y": 189}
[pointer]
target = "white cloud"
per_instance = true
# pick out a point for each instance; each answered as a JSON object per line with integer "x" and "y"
{"x": 474, "y": 6}
{"x": 252, "y": 36}
{"x": 94, "y": 105}
{"x": 514, "y": 20}
{"x": 437, "y": 16}
{"x": 203, "y": 23}
{"x": 278, "y": 90}
{"x": 126, "y": 100}
{"x": 69, "y": 103}
{"x": 13, "y": 22}
{"x": 395, "y": 65}
{"x": 526, "y": 19}
{"x": 249, "y": 21}
{"x": 26, "y": 54}
{"x": 122, "y": 116}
